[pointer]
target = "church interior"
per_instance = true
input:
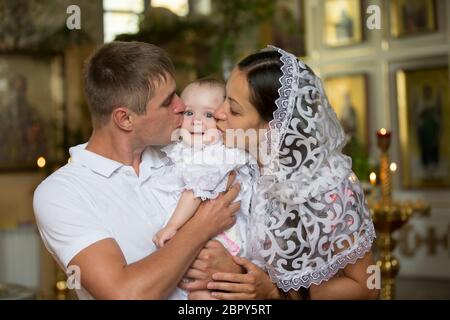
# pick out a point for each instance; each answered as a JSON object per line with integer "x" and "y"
{"x": 384, "y": 65}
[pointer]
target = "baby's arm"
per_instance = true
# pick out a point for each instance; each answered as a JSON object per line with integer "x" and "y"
{"x": 186, "y": 207}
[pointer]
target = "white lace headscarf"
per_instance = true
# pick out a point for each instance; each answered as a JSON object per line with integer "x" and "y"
{"x": 309, "y": 216}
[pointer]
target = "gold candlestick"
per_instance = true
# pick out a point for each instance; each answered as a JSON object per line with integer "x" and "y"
{"x": 389, "y": 216}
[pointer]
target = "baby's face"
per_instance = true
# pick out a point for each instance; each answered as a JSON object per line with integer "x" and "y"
{"x": 198, "y": 120}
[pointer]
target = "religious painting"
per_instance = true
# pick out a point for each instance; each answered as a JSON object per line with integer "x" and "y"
{"x": 31, "y": 110}
{"x": 412, "y": 17}
{"x": 347, "y": 95}
{"x": 343, "y": 23}
{"x": 424, "y": 122}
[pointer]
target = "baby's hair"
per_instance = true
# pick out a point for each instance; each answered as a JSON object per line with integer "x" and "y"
{"x": 213, "y": 82}
{"x": 208, "y": 81}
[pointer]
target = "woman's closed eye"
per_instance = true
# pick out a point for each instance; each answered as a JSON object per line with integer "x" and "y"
{"x": 235, "y": 108}
{"x": 233, "y": 112}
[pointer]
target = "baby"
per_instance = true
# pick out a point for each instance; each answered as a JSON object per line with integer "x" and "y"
{"x": 201, "y": 165}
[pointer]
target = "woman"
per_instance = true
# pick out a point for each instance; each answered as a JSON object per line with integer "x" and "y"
{"x": 310, "y": 226}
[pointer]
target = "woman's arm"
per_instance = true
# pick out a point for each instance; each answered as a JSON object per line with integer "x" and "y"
{"x": 186, "y": 207}
{"x": 352, "y": 285}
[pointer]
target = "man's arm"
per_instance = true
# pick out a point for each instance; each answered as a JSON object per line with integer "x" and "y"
{"x": 106, "y": 275}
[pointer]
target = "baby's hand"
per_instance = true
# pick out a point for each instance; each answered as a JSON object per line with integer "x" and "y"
{"x": 164, "y": 235}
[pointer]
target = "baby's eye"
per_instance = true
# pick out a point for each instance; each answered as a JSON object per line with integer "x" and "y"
{"x": 209, "y": 115}
{"x": 188, "y": 113}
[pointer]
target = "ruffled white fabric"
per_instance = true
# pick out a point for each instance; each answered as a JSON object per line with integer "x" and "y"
{"x": 309, "y": 217}
{"x": 205, "y": 171}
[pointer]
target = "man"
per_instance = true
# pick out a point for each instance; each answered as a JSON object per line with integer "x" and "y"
{"x": 100, "y": 212}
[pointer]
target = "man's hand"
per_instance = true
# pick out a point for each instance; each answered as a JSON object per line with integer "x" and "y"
{"x": 213, "y": 258}
{"x": 218, "y": 214}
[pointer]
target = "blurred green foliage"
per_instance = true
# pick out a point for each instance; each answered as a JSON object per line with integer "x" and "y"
{"x": 201, "y": 43}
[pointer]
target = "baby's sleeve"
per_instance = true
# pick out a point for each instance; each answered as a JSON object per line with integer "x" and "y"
{"x": 206, "y": 171}
{"x": 205, "y": 182}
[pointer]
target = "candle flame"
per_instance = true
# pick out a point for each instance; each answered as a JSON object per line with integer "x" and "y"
{"x": 393, "y": 167}
{"x": 41, "y": 162}
{"x": 383, "y": 131}
{"x": 373, "y": 178}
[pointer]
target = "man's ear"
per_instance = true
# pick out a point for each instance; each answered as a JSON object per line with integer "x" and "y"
{"x": 122, "y": 117}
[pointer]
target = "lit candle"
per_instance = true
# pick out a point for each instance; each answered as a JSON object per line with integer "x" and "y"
{"x": 384, "y": 139}
{"x": 373, "y": 178}
{"x": 393, "y": 167}
{"x": 41, "y": 162}
{"x": 383, "y": 133}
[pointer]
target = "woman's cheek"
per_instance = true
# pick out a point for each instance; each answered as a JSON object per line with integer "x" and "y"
{"x": 231, "y": 123}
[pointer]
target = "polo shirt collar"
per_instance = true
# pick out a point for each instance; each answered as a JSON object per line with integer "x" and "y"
{"x": 97, "y": 163}
{"x": 151, "y": 158}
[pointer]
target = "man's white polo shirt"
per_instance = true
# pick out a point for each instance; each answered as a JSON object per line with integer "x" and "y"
{"x": 94, "y": 198}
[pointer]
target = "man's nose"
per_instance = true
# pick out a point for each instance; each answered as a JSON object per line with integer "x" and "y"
{"x": 178, "y": 105}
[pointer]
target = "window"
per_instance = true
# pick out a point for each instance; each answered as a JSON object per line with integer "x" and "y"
{"x": 121, "y": 17}
{"x": 179, "y": 7}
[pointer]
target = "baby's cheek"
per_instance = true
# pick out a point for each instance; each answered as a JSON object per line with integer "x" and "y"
{"x": 210, "y": 123}
{"x": 186, "y": 124}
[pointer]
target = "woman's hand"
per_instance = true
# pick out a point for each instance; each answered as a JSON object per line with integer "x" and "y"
{"x": 253, "y": 285}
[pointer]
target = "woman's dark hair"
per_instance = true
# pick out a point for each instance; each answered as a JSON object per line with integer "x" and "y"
{"x": 263, "y": 70}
